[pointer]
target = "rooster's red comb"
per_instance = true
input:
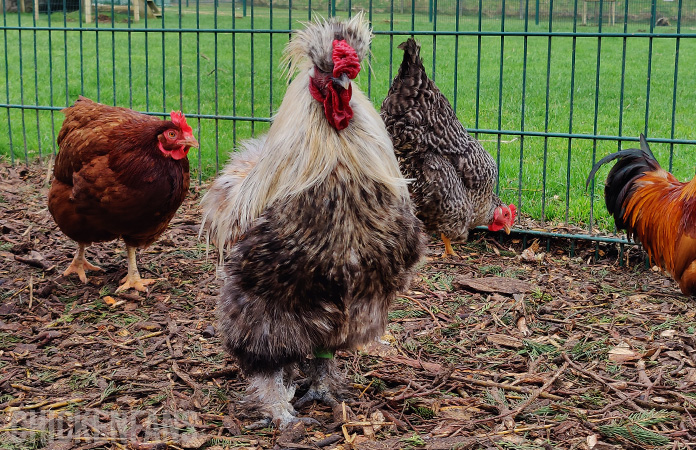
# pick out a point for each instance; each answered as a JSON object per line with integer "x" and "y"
{"x": 180, "y": 121}
{"x": 345, "y": 60}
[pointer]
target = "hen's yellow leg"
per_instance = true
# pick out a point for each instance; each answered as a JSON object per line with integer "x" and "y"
{"x": 133, "y": 280}
{"x": 449, "y": 251}
{"x": 79, "y": 264}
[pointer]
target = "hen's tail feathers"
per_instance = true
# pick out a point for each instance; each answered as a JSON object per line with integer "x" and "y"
{"x": 412, "y": 59}
{"x": 219, "y": 219}
{"x": 632, "y": 164}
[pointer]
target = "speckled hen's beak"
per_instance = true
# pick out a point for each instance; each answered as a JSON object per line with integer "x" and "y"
{"x": 190, "y": 142}
{"x": 342, "y": 81}
{"x": 507, "y": 229}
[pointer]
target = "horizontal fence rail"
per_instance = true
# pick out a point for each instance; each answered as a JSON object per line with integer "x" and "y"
{"x": 547, "y": 86}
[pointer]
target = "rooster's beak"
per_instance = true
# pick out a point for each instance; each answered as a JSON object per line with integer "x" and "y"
{"x": 342, "y": 81}
{"x": 507, "y": 229}
{"x": 190, "y": 142}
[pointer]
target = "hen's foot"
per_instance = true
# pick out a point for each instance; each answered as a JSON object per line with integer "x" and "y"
{"x": 449, "y": 251}
{"x": 79, "y": 264}
{"x": 134, "y": 282}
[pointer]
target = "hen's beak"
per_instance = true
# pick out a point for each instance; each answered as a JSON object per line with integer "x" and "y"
{"x": 342, "y": 81}
{"x": 190, "y": 142}
{"x": 507, "y": 229}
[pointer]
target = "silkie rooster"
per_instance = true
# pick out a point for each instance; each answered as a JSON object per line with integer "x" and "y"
{"x": 316, "y": 224}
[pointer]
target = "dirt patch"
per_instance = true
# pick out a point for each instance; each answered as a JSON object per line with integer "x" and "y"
{"x": 581, "y": 353}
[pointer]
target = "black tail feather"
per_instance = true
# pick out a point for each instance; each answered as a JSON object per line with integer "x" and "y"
{"x": 632, "y": 164}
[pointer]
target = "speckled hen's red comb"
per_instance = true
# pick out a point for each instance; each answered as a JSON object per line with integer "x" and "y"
{"x": 180, "y": 121}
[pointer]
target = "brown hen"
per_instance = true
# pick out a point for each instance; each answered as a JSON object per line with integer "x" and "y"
{"x": 119, "y": 174}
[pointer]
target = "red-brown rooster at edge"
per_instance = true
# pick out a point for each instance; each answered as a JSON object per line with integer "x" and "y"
{"x": 119, "y": 173}
{"x": 656, "y": 209}
{"x": 316, "y": 224}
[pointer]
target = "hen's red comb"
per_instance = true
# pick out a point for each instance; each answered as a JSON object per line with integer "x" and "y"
{"x": 513, "y": 210}
{"x": 180, "y": 121}
{"x": 345, "y": 60}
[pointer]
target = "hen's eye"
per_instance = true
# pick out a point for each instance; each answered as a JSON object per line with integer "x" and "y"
{"x": 171, "y": 134}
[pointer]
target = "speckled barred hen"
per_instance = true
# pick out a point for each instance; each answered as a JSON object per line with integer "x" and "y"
{"x": 316, "y": 224}
{"x": 454, "y": 176}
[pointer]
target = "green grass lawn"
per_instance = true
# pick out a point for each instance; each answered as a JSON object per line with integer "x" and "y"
{"x": 235, "y": 74}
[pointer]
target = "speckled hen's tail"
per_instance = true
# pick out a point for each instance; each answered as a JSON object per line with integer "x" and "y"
{"x": 412, "y": 60}
{"x": 219, "y": 222}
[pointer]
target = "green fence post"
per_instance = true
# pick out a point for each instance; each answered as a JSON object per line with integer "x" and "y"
{"x": 536, "y": 15}
{"x": 430, "y": 10}
{"x": 244, "y": 4}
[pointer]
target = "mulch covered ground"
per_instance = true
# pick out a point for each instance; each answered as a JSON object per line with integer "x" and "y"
{"x": 507, "y": 347}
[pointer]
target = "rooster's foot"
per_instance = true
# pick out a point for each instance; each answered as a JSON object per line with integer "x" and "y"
{"x": 282, "y": 422}
{"x": 318, "y": 393}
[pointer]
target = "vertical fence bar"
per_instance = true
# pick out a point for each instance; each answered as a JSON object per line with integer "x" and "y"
{"x": 7, "y": 82}
{"x": 198, "y": 83}
{"x": 369, "y": 56}
{"x": 147, "y": 60}
{"x": 82, "y": 60}
{"x": 96, "y": 45}
{"x": 623, "y": 74}
{"x": 456, "y": 53}
{"x": 524, "y": 99}
{"x": 50, "y": 76}
{"x": 164, "y": 56}
{"x": 65, "y": 52}
{"x": 129, "y": 37}
{"x": 546, "y": 112}
{"x": 181, "y": 58}
{"x": 270, "y": 62}
{"x": 21, "y": 87}
{"x": 251, "y": 38}
{"x": 674, "y": 87}
{"x": 391, "y": 42}
{"x": 650, "y": 54}
{"x": 217, "y": 103}
{"x": 434, "y": 3}
{"x": 570, "y": 113}
{"x": 36, "y": 86}
{"x": 234, "y": 74}
{"x": 595, "y": 123}
{"x": 478, "y": 65}
{"x": 500, "y": 95}
{"x": 113, "y": 52}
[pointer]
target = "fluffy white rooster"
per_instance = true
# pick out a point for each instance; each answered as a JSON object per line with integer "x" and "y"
{"x": 316, "y": 225}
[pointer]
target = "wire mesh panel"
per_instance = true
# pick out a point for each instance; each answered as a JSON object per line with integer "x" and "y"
{"x": 548, "y": 86}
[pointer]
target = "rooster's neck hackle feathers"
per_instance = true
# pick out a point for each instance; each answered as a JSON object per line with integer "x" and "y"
{"x": 301, "y": 148}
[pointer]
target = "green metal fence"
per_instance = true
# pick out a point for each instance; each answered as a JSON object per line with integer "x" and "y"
{"x": 548, "y": 86}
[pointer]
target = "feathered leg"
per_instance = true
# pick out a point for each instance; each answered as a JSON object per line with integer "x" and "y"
{"x": 133, "y": 280}
{"x": 269, "y": 395}
{"x": 79, "y": 264}
{"x": 449, "y": 251}
{"x": 325, "y": 380}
